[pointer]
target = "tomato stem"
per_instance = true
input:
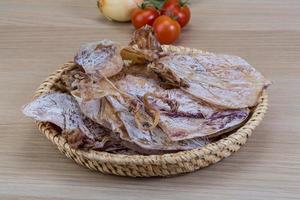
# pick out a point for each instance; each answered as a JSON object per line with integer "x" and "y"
{"x": 184, "y": 3}
{"x": 158, "y": 4}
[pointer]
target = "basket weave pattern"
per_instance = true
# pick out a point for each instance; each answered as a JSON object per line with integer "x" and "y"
{"x": 152, "y": 165}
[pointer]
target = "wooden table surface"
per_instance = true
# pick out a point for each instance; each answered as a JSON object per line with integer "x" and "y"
{"x": 37, "y": 36}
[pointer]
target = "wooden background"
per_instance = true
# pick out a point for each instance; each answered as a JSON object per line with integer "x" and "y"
{"x": 38, "y": 35}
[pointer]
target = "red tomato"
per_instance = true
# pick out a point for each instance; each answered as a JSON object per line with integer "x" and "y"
{"x": 142, "y": 16}
{"x": 183, "y": 15}
{"x": 178, "y": 10}
{"x": 167, "y": 30}
{"x": 170, "y": 5}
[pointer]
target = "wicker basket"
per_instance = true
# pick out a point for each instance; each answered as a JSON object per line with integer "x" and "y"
{"x": 152, "y": 165}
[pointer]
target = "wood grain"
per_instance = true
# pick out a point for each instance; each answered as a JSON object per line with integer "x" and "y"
{"x": 37, "y": 36}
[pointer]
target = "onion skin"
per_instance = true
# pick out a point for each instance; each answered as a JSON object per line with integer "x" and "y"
{"x": 117, "y": 10}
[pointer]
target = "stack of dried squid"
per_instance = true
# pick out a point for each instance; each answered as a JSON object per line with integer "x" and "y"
{"x": 141, "y": 100}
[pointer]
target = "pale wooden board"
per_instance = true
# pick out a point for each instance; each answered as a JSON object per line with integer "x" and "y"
{"x": 36, "y": 36}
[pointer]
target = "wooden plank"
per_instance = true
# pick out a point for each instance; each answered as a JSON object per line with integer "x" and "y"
{"x": 37, "y": 36}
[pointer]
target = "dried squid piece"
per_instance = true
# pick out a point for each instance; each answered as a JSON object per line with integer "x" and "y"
{"x": 101, "y": 57}
{"x": 182, "y": 116}
{"x": 143, "y": 48}
{"x": 144, "y": 38}
{"x": 144, "y": 141}
{"x": 221, "y": 80}
{"x": 63, "y": 111}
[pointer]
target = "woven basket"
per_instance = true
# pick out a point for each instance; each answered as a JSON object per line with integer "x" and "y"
{"x": 152, "y": 165}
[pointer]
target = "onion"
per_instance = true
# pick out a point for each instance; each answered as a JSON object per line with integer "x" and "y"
{"x": 118, "y": 10}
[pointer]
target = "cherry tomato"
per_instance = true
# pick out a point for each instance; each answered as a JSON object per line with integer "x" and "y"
{"x": 142, "y": 16}
{"x": 167, "y": 30}
{"x": 182, "y": 15}
{"x": 177, "y": 10}
{"x": 170, "y": 5}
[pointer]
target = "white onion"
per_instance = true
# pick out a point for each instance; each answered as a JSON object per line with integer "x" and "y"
{"x": 118, "y": 10}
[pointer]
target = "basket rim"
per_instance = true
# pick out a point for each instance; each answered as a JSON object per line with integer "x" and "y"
{"x": 239, "y": 136}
